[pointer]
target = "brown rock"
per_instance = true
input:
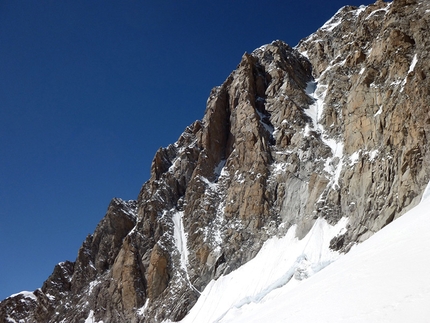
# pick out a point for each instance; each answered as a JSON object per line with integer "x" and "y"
{"x": 158, "y": 277}
{"x": 257, "y": 164}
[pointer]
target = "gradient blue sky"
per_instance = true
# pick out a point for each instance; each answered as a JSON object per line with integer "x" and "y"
{"x": 89, "y": 90}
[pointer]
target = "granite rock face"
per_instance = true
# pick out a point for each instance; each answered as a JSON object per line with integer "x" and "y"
{"x": 372, "y": 70}
{"x": 335, "y": 127}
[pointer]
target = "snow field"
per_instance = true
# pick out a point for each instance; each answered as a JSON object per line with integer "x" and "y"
{"x": 384, "y": 279}
{"x": 280, "y": 262}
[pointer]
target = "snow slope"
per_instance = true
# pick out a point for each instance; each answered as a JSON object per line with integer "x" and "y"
{"x": 384, "y": 279}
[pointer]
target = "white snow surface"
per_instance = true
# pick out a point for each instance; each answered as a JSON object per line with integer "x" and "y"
{"x": 141, "y": 311}
{"x": 426, "y": 193}
{"x": 378, "y": 112}
{"x": 411, "y": 69}
{"x": 180, "y": 239}
{"x": 384, "y": 279}
{"x": 25, "y": 294}
{"x": 333, "y": 22}
{"x": 353, "y": 159}
{"x": 282, "y": 262}
{"x": 91, "y": 319}
{"x": 413, "y": 63}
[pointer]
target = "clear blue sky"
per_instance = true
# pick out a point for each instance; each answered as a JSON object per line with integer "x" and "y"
{"x": 89, "y": 90}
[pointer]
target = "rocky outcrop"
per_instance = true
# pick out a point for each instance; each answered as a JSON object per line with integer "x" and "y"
{"x": 335, "y": 127}
{"x": 372, "y": 66}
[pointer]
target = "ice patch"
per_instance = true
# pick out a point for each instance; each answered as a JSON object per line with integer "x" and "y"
{"x": 310, "y": 89}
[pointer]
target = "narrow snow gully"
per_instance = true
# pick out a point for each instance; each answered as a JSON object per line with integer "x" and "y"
{"x": 180, "y": 239}
{"x": 333, "y": 165}
{"x": 181, "y": 244}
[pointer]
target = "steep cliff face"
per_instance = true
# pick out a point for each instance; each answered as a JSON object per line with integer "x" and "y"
{"x": 335, "y": 127}
{"x": 372, "y": 65}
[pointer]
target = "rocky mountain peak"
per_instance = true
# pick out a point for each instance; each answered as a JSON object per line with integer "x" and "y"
{"x": 333, "y": 128}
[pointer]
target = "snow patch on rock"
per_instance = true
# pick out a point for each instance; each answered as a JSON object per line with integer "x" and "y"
{"x": 25, "y": 294}
{"x": 91, "y": 318}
